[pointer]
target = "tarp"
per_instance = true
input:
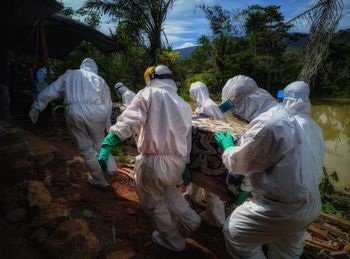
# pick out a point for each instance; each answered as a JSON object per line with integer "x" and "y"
{"x": 15, "y": 14}
{"x": 62, "y": 35}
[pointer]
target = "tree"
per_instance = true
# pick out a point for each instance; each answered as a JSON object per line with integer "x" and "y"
{"x": 144, "y": 16}
{"x": 323, "y": 17}
{"x": 266, "y": 30}
{"x": 201, "y": 55}
{"x": 91, "y": 18}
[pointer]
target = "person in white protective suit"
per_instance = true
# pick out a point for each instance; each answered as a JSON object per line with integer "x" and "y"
{"x": 200, "y": 95}
{"x": 214, "y": 215}
{"x": 126, "y": 94}
{"x": 284, "y": 163}
{"x": 88, "y": 108}
{"x": 164, "y": 143}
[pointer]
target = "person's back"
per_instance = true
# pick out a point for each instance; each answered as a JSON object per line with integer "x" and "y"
{"x": 164, "y": 120}
{"x": 87, "y": 90}
{"x": 88, "y": 107}
{"x": 283, "y": 142}
{"x": 275, "y": 154}
{"x": 169, "y": 134}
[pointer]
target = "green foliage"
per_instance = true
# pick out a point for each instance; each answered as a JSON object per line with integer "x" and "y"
{"x": 206, "y": 77}
{"x": 334, "y": 76}
{"x": 121, "y": 154}
{"x": 91, "y": 18}
{"x": 219, "y": 19}
{"x": 326, "y": 187}
{"x": 146, "y": 17}
{"x": 168, "y": 57}
{"x": 328, "y": 207}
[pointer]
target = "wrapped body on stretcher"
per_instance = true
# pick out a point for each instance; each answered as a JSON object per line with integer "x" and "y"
{"x": 207, "y": 168}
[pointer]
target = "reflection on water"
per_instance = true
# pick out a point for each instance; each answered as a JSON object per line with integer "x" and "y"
{"x": 333, "y": 116}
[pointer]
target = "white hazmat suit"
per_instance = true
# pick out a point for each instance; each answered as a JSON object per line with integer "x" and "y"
{"x": 276, "y": 154}
{"x": 164, "y": 143}
{"x": 214, "y": 215}
{"x": 126, "y": 94}
{"x": 88, "y": 108}
{"x": 200, "y": 94}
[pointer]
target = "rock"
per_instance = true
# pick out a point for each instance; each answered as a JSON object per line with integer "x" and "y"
{"x": 74, "y": 197}
{"x": 76, "y": 159}
{"x": 39, "y": 237}
{"x": 88, "y": 213}
{"x": 17, "y": 215}
{"x": 130, "y": 211}
{"x": 75, "y": 185}
{"x": 347, "y": 247}
{"x": 38, "y": 195}
{"x": 125, "y": 254}
{"x": 51, "y": 216}
{"x": 72, "y": 240}
{"x": 62, "y": 178}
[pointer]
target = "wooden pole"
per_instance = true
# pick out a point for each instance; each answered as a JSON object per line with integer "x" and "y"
{"x": 45, "y": 52}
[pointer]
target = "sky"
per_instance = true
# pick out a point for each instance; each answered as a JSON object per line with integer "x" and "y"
{"x": 185, "y": 22}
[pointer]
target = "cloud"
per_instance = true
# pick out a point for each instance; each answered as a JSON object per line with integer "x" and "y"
{"x": 175, "y": 38}
{"x": 186, "y": 45}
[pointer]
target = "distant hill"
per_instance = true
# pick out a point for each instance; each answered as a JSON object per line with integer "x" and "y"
{"x": 344, "y": 35}
{"x": 186, "y": 52}
{"x": 296, "y": 39}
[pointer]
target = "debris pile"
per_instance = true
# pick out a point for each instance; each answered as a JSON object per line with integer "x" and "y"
{"x": 329, "y": 237}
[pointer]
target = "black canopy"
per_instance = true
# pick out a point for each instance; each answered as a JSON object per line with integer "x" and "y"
{"x": 19, "y": 13}
{"x": 62, "y": 35}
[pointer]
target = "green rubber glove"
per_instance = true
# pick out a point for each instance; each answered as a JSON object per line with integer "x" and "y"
{"x": 224, "y": 139}
{"x": 186, "y": 175}
{"x": 108, "y": 143}
{"x": 242, "y": 196}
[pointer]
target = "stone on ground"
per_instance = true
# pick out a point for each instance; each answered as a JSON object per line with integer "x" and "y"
{"x": 72, "y": 240}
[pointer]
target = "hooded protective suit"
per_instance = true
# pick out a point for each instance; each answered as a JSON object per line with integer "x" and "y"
{"x": 126, "y": 94}
{"x": 200, "y": 94}
{"x": 88, "y": 107}
{"x": 164, "y": 143}
{"x": 214, "y": 215}
{"x": 276, "y": 155}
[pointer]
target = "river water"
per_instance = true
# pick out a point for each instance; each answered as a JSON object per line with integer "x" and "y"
{"x": 333, "y": 116}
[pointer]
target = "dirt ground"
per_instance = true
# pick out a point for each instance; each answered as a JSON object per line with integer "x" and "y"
{"x": 116, "y": 206}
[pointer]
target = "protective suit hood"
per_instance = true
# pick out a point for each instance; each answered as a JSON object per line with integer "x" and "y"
{"x": 296, "y": 98}
{"x": 166, "y": 84}
{"x": 120, "y": 88}
{"x": 89, "y": 64}
{"x": 249, "y": 100}
{"x": 199, "y": 93}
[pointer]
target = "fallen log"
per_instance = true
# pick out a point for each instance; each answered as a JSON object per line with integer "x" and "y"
{"x": 126, "y": 171}
{"x": 321, "y": 245}
{"x": 317, "y": 232}
{"x": 343, "y": 223}
{"x": 333, "y": 230}
{"x": 339, "y": 254}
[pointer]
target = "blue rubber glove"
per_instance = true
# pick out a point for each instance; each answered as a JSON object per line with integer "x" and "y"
{"x": 224, "y": 139}
{"x": 186, "y": 175}
{"x": 108, "y": 143}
